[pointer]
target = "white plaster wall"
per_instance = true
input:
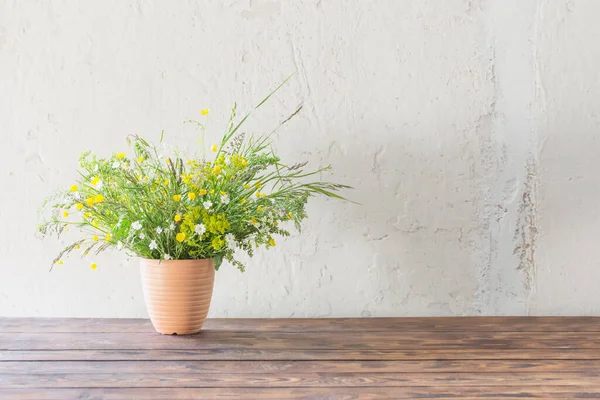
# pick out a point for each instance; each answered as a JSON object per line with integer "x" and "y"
{"x": 468, "y": 128}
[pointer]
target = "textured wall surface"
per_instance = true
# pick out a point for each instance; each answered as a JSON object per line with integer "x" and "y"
{"x": 469, "y": 128}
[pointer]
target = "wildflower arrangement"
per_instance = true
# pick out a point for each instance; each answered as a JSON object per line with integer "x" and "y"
{"x": 159, "y": 204}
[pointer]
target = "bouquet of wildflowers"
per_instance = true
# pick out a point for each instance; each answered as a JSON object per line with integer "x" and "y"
{"x": 165, "y": 206}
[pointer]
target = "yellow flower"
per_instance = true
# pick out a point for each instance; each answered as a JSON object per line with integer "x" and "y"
{"x": 59, "y": 262}
{"x": 78, "y": 206}
{"x": 177, "y": 218}
{"x": 95, "y": 180}
{"x": 260, "y": 208}
{"x": 78, "y": 246}
{"x": 95, "y": 223}
{"x": 87, "y": 215}
{"x": 95, "y": 238}
{"x": 258, "y": 185}
{"x": 272, "y": 242}
{"x": 214, "y": 148}
{"x": 177, "y": 197}
{"x": 191, "y": 195}
{"x": 257, "y": 194}
{"x": 98, "y": 198}
{"x": 202, "y": 192}
{"x": 205, "y": 111}
{"x": 217, "y": 169}
{"x": 253, "y": 220}
{"x": 166, "y": 182}
{"x": 263, "y": 195}
{"x": 73, "y": 188}
{"x": 243, "y": 200}
{"x": 291, "y": 215}
{"x": 94, "y": 266}
{"x": 120, "y": 155}
{"x": 275, "y": 223}
{"x": 212, "y": 191}
{"x": 180, "y": 237}
{"x": 140, "y": 159}
{"x": 108, "y": 237}
{"x": 89, "y": 201}
{"x": 65, "y": 214}
{"x": 246, "y": 186}
{"x": 244, "y": 162}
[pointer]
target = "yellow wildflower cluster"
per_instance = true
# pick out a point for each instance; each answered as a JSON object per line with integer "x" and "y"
{"x": 156, "y": 204}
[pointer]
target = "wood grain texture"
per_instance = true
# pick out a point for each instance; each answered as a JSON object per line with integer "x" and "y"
{"x": 471, "y": 393}
{"x": 411, "y": 324}
{"x": 383, "y": 358}
{"x": 348, "y": 340}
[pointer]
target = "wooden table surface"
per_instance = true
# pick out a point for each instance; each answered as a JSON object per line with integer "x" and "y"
{"x": 375, "y": 358}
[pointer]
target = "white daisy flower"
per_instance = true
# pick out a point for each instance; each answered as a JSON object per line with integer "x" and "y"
{"x": 136, "y": 225}
{"x": 225, "y": 199}
{"x": 159, "y": 230}
{"x": 142, "y": 236}
{"x": 167, "y": 257}
{"x": 200, "y": 229}
{"x": 153, "y": 246}
{"x": 230, "y": 239}
{"x": 172, "y": 227}
{"x": 116, "y": 164}
{"x": 207, "y": 204}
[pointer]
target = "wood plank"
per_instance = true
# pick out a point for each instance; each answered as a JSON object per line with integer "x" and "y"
{"x": 465, "y": 393}
{"x": 281, "y": 380}
{"x": 215, "y": 340}
{"x": 388, "y": 358}
{"x": 403, "y": 324}
{"x": 297, "y": 367}
{"x": 308, "y": 355}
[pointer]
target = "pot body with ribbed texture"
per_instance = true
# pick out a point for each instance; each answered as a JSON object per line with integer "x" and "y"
{"x": 177, "y": 293}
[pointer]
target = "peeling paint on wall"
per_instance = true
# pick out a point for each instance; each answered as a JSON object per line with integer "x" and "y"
{"x": 526, "y": 231}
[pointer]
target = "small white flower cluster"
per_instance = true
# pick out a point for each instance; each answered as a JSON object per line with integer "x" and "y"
{"x": 207, "y": 204}
{"x": 230, "y": 240}
{"x": 153, "y": 245}
{"x": 225, "y": 199}
{"x": 137, "y": 225}
{"x": 76, "y": 195}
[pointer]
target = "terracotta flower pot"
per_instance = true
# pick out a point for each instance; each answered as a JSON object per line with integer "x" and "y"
{"x": 177, "y": 293}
